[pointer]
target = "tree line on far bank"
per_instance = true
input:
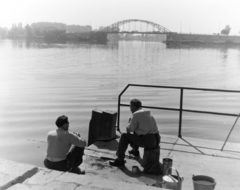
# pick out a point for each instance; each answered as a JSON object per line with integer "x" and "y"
{"x": 53, "y": 30}
{"x": 45, "y": 30}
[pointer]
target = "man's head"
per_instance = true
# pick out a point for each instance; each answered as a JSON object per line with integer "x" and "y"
{"x": 62, "y": 122}
{"x": 135, "y": 104}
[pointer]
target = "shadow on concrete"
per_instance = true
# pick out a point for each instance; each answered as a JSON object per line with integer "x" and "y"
{"x": 209, "y": 148}
{"x": 236, "y": 153}
{"x": 148, "y": 179}
{"x": 189, "y": 144}
{"x": 107, "y": 144}
{"x": 196, "y": 147}
{"x": 215, "y": 154}
{"x": 192, "y": 146}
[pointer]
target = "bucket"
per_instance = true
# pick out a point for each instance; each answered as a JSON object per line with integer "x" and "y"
{"x": 173, "y": 182}
{"x": 202, "y": 182}
{"x": 167, "y": 163}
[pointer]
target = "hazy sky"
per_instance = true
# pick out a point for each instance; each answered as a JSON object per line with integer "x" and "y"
{"x": 195, "y": 16}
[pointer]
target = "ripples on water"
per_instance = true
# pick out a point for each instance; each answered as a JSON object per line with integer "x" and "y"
{"x": 39, "y": 82}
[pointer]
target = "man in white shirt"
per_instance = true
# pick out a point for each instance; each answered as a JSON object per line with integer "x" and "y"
{"x": 65, "y": 148}
{"x": 142, "y": 131}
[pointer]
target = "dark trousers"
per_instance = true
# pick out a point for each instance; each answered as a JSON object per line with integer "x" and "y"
{"x": 135, "y": 141}
{"x": 73, "y": 160}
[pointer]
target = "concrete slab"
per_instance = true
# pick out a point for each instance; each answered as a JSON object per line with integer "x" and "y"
{"x": 19, "y": 186}
{"x": 43, "y": 177}
{"x": 97, "y": 164}
{"x": 98, "y": 176}
{"x": 50, "y": 186}
{"x": 49, "y": 179}
{"x": 204, "y": 157}
{"x": 190, "y": 157}
{"x": 12, "y": 173}
{"x": 69, "y": 181}
{"x": 98, "y": 182}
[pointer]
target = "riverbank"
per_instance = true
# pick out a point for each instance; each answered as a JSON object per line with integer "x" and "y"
{"x": 202, "y": 39}
{"x": 190, "y": 157}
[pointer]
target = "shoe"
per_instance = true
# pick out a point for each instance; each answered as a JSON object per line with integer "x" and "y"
{"x": 81, "y": 172}
{"x": 117, "y": 163}
{"x": 78, "y": 171}
{"x": 134, "y": 152}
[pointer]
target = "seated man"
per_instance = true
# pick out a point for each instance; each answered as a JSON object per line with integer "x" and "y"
{"x": 65, "y": 149}
{"x": 145, "y": 133}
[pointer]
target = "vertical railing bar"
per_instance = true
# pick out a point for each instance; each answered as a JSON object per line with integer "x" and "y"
{"x": 180, "y": 114}
{"x": 118, "y": 117}
{"x": 119, "y": 101}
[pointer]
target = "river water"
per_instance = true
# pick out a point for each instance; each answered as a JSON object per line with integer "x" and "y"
{"x": 40, "y": 81}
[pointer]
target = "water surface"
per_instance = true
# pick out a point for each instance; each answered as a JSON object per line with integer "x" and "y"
{"x": 40, "y": 81}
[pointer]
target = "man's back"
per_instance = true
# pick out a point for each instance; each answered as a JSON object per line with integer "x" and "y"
{"x": 143, "y": 122}
{"x": 59, "y": 143}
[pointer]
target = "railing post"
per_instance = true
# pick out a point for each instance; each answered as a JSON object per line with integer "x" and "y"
{"x": 119, "y": 102}
{"x": 118, "y": 116}
{"x": 180, "y": 114}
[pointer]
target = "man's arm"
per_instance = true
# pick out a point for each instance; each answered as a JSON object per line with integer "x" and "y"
{"x": 133, "y": 124}
{"x": 127, "y": 127}
{"x": 77, "y": 140}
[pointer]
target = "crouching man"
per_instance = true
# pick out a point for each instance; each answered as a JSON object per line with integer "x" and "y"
{"x": 142, "y": 131}
{"x": 65, "y": 149}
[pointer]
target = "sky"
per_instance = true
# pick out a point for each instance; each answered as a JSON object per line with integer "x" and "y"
{"x": 186, "y": 16}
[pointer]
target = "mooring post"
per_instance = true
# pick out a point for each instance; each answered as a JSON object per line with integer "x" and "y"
{"x": 102, "y": 126}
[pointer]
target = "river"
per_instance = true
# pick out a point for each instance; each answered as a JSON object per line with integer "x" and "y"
{"x": 41, "y": 81}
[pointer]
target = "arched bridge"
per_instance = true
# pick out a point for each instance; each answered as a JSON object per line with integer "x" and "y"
{"x": 114, "y": 28}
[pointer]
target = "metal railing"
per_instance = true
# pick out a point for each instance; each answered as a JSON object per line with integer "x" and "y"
{"x": 180, "y": 109}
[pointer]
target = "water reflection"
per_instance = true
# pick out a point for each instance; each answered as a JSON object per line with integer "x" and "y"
{"x": 44, "y": 44}
{"x": 224, "y": 52}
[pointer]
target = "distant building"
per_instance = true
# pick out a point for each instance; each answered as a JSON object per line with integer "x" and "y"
{"x": 101, "y": 28}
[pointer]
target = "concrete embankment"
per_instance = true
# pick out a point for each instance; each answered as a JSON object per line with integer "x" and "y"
{"x": 18, "y": 176}
{"x": 190, "y": 157}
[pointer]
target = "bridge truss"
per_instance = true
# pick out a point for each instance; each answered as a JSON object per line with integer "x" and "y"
{"x": 114, "y": 28}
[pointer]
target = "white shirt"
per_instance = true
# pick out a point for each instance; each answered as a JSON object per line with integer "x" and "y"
{"x": 60, "y": 142}
{"x": 143, "y": 123}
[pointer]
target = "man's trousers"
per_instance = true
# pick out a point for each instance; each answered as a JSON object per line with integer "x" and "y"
{"x": 145, "y": 141}
{"x": 73, "y": 160}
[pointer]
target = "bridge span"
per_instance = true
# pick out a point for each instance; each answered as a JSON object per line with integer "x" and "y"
{"x": 118, "y": 27}
{"x": 156, "y": 28}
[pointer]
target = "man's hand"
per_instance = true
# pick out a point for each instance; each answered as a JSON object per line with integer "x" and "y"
{"x": 78, "y": 134}
{"x": 127, "y": 129}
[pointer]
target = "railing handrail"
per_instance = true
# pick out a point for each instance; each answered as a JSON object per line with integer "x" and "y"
{"x": 178, "y": 87}
{"x": 181, "y": 102}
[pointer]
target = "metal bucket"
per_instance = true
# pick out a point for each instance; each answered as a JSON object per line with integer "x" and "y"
{"x": 202, "y": 182}
{"x": 173, "y": 182}
{"x": 167, "y": 163}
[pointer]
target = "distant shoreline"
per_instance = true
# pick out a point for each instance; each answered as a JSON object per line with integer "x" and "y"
{"x": 202, "y": 39}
